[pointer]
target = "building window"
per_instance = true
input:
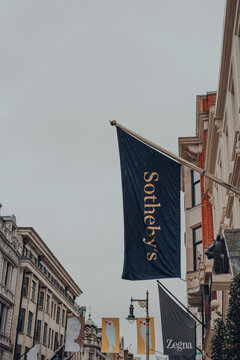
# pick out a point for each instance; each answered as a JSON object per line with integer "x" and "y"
{"x": 21, "y": 320}
{"x": 7, "y": 273}
{"x": 29, "y": 324}
{"x": 61, "y": 340}
{"x": 45, "y": 334}
{"x": 33, "y": 290}
{"x": 41, "y": 299}
{"x": 47, "y": 304}
{"x": 52, "y": 310}
{"x": 90, "y": 356}
{"x": 197, "y": 247}
{"x": 18, "y": 351}
{"x": 54, "y": 313}
{"x": 25, "y": 286}
{"x": 196, "y": 190}
{"x": 49, "y": 338}
{"x": 55, "y": 341}
{"x": 52, "y": 340}
{"x": 58, "y": 315}
{"x": 3, "y": 316}
{"x": 25, "y": 352}
{"x": 1, "y": 354}
{"x": 63, "y": 317}
{"x": 38, "y": 330}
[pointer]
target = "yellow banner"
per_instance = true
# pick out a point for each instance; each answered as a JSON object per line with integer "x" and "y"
{"x": 141, "y": 336}
{"x": 110, "y": 335}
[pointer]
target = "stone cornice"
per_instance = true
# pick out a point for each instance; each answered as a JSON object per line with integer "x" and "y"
{"x": 30, "y": 266}
{"x": 42, "y": 249}
{"x": 230, "y": 15}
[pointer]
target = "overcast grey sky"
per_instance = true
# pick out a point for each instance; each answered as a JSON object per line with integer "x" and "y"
{"x": 67, "y": 67}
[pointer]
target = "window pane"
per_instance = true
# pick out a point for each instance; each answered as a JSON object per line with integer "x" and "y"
{"x": 63, "y": 317}
{"x": 55, "y": 341}
{"x": 198, "y": 254}
{"x": 38, "y": 332}
{"x": 196, "y": 194}
{"x": 197, "y": 247}
{"x": 41, "y": 299}
{"x": 196, "y": 176}
{"x": 21, "y": 320}
{"x": 196, "y": 189}
{"x": 25, "y": 286}
{"x": 58, "y": 314}
{"x": 197, "y": 235}
{"x": 29, "y": 326}
{"x": 47, "y": 303}
{"x": 45, "y": 334}
{"x": 33, "y": 289}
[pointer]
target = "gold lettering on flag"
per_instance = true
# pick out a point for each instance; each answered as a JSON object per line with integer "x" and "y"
{"x": 149, "y": 210}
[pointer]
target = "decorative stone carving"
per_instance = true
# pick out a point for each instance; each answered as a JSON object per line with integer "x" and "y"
{"x": 218, "y": 124}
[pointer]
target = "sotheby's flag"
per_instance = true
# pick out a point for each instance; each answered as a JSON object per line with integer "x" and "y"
{"x": 178, "y": 328}
{"x": 151, "y": 203}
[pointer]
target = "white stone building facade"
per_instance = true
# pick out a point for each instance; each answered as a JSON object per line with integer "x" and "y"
{"x": 10, "y": 253}
{"x": 46, "y": 294}
{"x": 210, "y": 208}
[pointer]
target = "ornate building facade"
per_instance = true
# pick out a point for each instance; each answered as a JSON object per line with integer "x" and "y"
{"x": 210, "y": 209}
{"x": 46, "y": 294}
{"x": 10, "y": 253}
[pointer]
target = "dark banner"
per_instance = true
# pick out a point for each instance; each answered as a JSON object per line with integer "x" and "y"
{"x": 151, "y": 203}
{"x": 178, "y": 328}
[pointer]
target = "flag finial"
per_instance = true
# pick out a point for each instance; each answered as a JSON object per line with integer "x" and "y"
{"x": 113, "y": 122}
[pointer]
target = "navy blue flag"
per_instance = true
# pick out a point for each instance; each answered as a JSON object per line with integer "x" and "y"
{"x": 151, "y": 203}
{"x": 178, "y": 329}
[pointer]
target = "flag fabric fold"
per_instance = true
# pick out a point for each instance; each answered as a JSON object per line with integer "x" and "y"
{"x": 178, "y": 328}
{"x": 151, "y": 203}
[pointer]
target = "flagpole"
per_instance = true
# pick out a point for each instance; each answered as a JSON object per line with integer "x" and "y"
{"x": 178, "y": 158}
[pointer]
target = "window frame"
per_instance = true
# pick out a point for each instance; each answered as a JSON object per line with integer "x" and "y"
{"x": 22, "y": 311}
{"x": 38, "y": 329}
{"x": 33, "y": 290}
{"x": 45, "y": 329}
{"x": 194, "y": 185}
{"x": 29, "y": 323}
{"x": 195, "y": 244}
{"x": 25, "y": 286}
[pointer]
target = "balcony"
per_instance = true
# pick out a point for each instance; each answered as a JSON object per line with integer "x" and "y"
{"x": 195, "y": 283}
{"x": 221, "y": 281}
{"x": 28, "y": 255}
{"x": 5, "y": 341}
{"x": 7, "y": 294}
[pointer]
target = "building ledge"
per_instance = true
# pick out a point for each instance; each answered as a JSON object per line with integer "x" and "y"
{"x": 195, "y": 282}
{"x": 5, "y": 342}
{"x": 221, "y": 281}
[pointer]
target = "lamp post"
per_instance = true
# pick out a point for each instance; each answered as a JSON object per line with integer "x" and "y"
{"x": 142, "y": 303}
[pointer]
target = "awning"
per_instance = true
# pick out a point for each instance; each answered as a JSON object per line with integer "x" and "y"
{"x": 232, "y": 241}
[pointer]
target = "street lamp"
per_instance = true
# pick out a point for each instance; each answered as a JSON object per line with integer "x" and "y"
{"x": 142, "y": 303}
